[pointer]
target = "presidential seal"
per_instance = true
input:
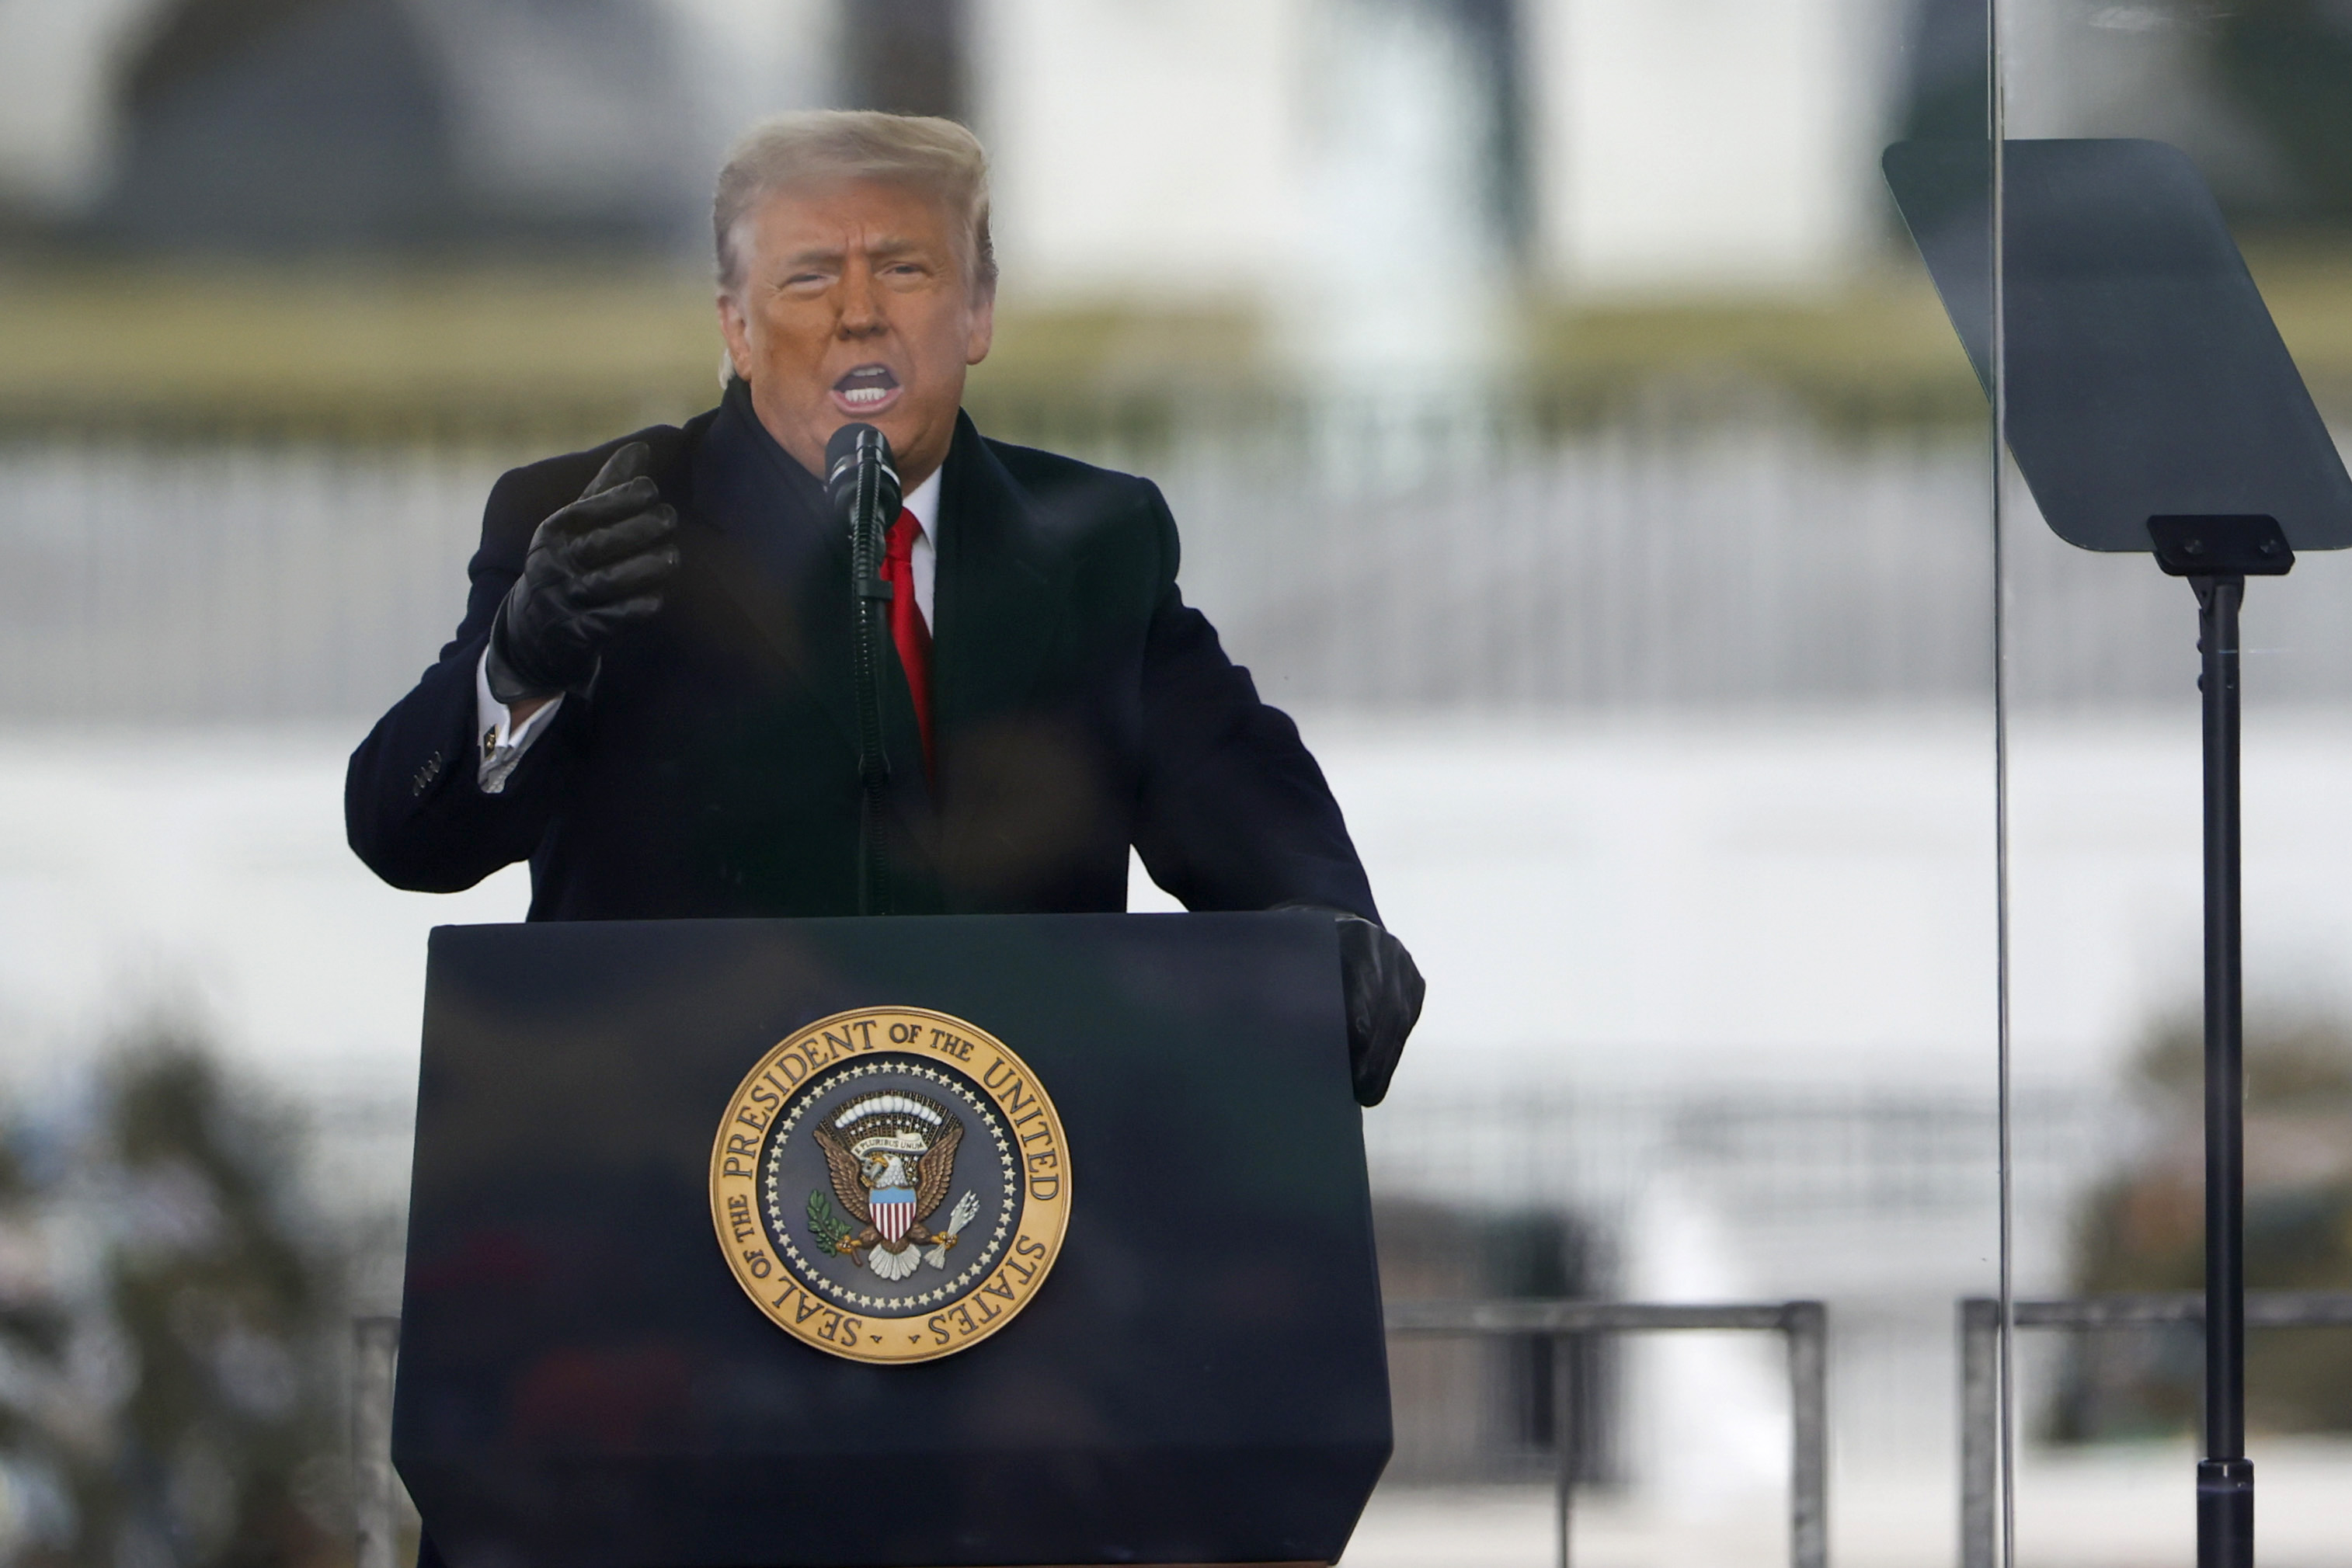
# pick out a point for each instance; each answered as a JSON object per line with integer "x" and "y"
{"x": 890, "y": 1185}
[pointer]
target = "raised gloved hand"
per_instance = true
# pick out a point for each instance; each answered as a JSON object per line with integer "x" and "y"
{"x": 594, "y": 567}
{"x": 1381, "y": 990}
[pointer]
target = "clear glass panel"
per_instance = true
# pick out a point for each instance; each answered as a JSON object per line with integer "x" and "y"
{"x": 1650, "y": 661}
{"x": 2197, "y": 412}
{"x": 1561, "y": 424}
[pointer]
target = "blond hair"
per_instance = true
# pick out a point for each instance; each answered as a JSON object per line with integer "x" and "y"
{"x": 820, "y": 146}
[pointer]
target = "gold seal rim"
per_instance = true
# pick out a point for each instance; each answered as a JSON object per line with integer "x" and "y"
{"x": 743, "y": 1240}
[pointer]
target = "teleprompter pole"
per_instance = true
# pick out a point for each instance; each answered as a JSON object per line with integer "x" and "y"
{"x": 2225, "y": 1478}
{"x": 2217, "y": 554}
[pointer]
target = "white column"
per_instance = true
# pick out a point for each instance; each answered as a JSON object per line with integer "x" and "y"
{"x": 745, "y": 62}
{"x": 58, "y": 119}
{"x": 1406, "y": 275}
{"x": 1707, "y": 146}
{"x": 1141, "y": 147}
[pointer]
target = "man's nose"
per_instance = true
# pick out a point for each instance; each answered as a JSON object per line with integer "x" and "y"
{"x": 861, "y": 304}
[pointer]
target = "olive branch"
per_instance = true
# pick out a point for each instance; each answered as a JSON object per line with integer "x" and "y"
{"x": 824, "y": 1224}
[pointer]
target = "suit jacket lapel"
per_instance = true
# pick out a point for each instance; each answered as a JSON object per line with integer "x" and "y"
{"x": 1000, "y": 592}
{"x": 784, "y": 561}
{"x": 775, "y": 552}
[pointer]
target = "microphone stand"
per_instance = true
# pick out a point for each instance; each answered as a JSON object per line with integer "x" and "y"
{"x": 865, "y": 483}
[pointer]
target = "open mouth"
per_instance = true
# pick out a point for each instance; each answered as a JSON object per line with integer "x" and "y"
{"x": 869, "y": 389}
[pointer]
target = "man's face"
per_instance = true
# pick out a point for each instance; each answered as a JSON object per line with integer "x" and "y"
{"x": 855, "y": 308}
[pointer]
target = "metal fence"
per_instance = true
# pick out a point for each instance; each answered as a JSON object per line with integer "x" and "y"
{"x": 1417, "y": 558}
{"x": 1879, "y": 1201}
{"x": 1980, "y": 1374}
{"x": 1805, "y": 1325}
{"x": 244, "y": 582}
{"x": 375, "y": 1348}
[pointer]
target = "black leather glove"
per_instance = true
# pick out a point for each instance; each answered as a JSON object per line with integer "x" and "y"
{"x": 1382, "y": 989}
{"x": 594, "y": 567}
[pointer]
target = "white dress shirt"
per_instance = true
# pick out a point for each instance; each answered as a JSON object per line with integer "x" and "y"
{"x": 504, "y": 741}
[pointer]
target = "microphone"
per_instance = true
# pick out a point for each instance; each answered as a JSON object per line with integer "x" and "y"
{"x": 864, "y": 483}
{"x": 862, "y": 477}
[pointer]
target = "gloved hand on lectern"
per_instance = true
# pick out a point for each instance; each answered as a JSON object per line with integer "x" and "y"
{"x": 1382, "y": 989}
{"x": 594, "y": 567}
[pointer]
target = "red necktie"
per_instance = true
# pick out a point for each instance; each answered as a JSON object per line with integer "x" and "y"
{"x": 907, "y": 628}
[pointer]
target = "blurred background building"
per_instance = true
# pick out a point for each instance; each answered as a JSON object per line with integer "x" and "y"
{"x": 1558, "y": 424}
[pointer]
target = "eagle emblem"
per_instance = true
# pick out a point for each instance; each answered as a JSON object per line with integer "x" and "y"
{"x": 891, "y": 1158}
{"x": 890, "y": 1185}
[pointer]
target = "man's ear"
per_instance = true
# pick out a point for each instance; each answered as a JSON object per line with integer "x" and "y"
{"x": 983, "y": 327}
{"x": 736, "y": 328}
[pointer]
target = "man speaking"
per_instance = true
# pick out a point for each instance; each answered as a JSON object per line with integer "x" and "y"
{"x": 651, "y": 695}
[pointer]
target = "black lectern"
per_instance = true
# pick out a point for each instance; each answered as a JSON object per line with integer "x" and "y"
{"x": 2151, "y": 405}
{"x": 604, "y": 1365}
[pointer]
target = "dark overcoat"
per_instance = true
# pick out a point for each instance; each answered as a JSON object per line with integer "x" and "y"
{"x": 1079, "y": 706}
